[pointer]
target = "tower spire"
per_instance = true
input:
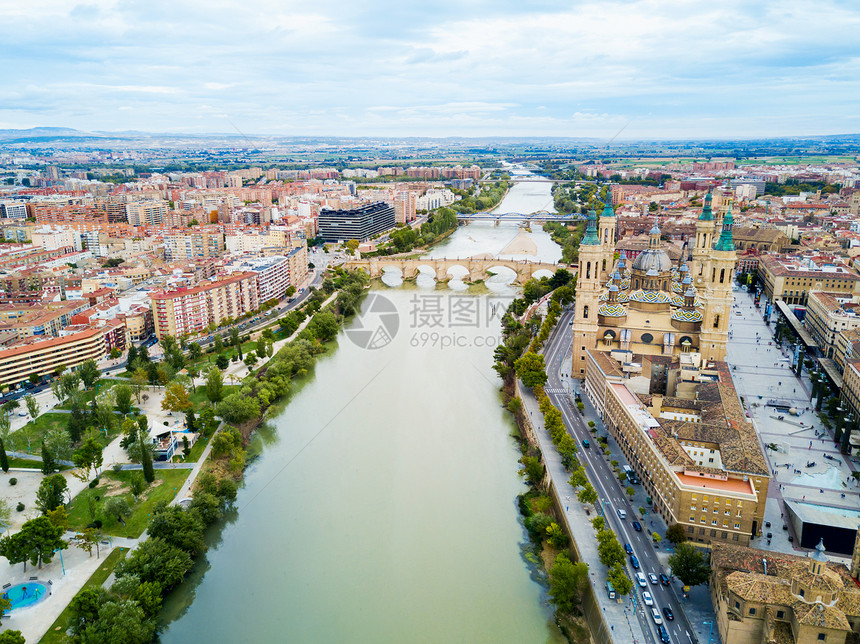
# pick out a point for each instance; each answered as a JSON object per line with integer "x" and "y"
{"x": 707, "y": 215}
{"x": 591, "y": 238}
{"x": 726, "y": 241}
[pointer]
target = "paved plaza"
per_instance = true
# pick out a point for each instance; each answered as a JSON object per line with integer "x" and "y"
{"x": 806, "y": 463}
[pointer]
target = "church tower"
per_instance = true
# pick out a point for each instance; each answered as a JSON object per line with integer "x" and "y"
{"x": 716, "y": 292}
{"x": 592, "y": 254}
{"x": 705, "y": 226}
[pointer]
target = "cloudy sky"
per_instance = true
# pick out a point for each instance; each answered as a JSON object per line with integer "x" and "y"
{"x": 657, "y": 68}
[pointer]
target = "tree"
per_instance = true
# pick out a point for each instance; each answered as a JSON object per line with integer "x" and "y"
{"x": 656, "y": 537}
{"x": 157, "y": 561}
{"x": 36, "y": 542}
{"x": 556, "y": 535}
{"x": 675, "y": 533}
{"x": 218, "y": 345}
{"x": 10, "y": 636}
{"x": 89, "y": 539}
{"x": 609, "y": 550}
{"x": 182, "y": 529}
{"x": 598, "y": 523}
{"x": 146, "y": 456}
{"x": 115, "y": 353}
{"x": 532, "y": 470}
{"x": 194, "y": 351}
{"x": 323, "y": 326}
{"x": 89, "y": 373}
{"x": 119, "y": 622}
{"x": 117, "y": 507}
{"x": 222, "y": 361}
{"x": 88, "y": 457}
{"x": 84, "y": 608}
{"x": 619, "y": 579}
{"x": 531, "y": 369}
{"x": 578, "y": 478}
{"x": 234, "y": 337}
{"x": 689, "y": 565}
{"x": 147, "y": 593}
{"x": 215, "y": 385}
{"x": 32, "y": 406}
{"x": 137, "y": 484}
{"x": 10, "y": 405}
{"x": 49, "y": 465}
{"x": 587, "y": 494}
{"x": 237, "y": 408}
{"x": 132, "y": 355}
{"x": 5, "y": 515}
{"x": 250, "y": 359}
{"x": 139, "y": 380}
{"x": 51, "y": 493}
{"x": 69, "y": 383}
{"x": 4, "y": 459}
{"x": 122, "y": 398}
{"x": 176, "y": 398}
{"x": 77, "y": 423}
{"x": 567, "y": 582}
{"x": 143, "y": 354}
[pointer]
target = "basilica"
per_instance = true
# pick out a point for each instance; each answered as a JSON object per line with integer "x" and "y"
{"x": 652, "y": 305}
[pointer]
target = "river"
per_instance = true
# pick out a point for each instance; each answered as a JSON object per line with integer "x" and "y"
{"x": 382, "y": 507}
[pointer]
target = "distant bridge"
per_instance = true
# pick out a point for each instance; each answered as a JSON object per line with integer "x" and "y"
{"x": 478, "y": 269}
{"x": 540, "y": 216}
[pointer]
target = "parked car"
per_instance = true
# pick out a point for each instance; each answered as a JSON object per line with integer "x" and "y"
{"x": 653, "y": 578}
{"x": 664, "y": 634}
{"x": 658, "y": 618}
{"x": 647, "y": 599}
{"x": 637, "y": 526}
{"x": 634, "y": 562}
{"x": 628, "y": 548}
{"x": 668, "y": 614}
{"x": 640, "y": 579}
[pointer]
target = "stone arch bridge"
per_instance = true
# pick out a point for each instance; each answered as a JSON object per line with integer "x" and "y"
{"x": 478, "y": 269}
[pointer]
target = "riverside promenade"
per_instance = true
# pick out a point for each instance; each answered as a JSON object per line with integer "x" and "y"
{"x": 619, "y": 623}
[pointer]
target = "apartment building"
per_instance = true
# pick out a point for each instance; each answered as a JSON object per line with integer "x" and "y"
{"x": 187, "y": 311}
{"x": 42, "y": 356}
{"x": 696, "y": 454}
{"x": 13, "y": 210}
{"x": 828, "y": 314}
{"x": 273, "y": 275}
{"x": 193, "y": 245}
{"x": 146, "y": 213}
{"x": 791, "y": 278}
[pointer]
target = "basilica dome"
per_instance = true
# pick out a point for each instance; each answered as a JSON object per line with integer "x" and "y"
{"x": 653, "y": 259}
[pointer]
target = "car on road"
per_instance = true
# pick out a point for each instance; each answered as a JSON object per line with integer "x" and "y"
{"x": 658, "y": 618}
{"x": 668, "y": 614}
{"x": 664, "y": 579}
{"x": 637, "y": 526}
{"x": 653, "y": 578}
{"x": 628, "y": 548}
{"x": 622, "y": 514}
{"x": 647, "y": 599}
{"x": 585, "y": 443}
{"x": 635, "y": 563}
{"x": 640, "y": 579}
{"x": 664, "y": 634}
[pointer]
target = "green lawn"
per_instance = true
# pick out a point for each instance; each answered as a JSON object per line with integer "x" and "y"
{"x": 167, "y": 483}
{"x": 199, "y": 397}
{"x": 23, "y": 462}
{"x": 35, "y": 430}
{"x": 57, "y": 633}
{"x": 196, "y": 450}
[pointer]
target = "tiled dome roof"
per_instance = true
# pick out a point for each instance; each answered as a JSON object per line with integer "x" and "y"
{"x": 612, "y": 310}
{"x": 653, "y": 297}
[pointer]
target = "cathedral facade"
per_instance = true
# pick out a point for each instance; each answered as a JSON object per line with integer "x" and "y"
{"x": 652, "y": 305}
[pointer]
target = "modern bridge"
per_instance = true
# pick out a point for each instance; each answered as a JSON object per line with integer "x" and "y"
{"x": 540, "y": 216}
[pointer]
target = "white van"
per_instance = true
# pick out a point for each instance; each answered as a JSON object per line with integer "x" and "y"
{"x": 658, "y": 619}
{"x": 622, "y": 514}
{"x": 640, "y": 579}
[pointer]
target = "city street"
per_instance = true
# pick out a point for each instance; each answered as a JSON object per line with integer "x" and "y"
{"x": 613, "y": 497}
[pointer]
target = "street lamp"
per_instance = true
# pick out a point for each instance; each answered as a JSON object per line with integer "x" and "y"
{"x": 710, "y": 629}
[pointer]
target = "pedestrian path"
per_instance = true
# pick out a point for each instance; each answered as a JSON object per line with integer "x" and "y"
{"x": 616, "y": 614}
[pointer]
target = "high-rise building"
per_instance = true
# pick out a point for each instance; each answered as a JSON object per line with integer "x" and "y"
{"x": 193, "y": 245}
{"x": 360, "y": 223}
{"x": 13, "y": 210}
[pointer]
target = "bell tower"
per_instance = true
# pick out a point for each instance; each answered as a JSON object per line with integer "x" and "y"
{"x": 591, "y": 257}
{"x": 717, "y": 292}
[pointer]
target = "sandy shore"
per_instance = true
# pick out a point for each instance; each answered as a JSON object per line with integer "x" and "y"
{"x": 521, "y": 245}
